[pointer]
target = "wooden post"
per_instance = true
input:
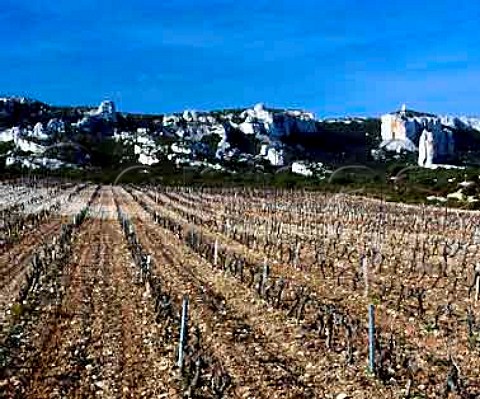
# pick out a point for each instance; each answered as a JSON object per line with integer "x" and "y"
{"x": 183, "y": 333}
{"x": 264, "y": 276}
{"x": 215, "y": 253}
{"x": 296, "y": 255}
{"x": 364, "y": 265}
{"x": 371, "y": 338}
{"x": 477, "y": 288}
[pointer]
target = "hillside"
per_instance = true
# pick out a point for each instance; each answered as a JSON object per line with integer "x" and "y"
{"x": 36, "y": 135}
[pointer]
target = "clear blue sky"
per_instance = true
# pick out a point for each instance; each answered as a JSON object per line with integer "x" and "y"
{"x": 333, "y": 57}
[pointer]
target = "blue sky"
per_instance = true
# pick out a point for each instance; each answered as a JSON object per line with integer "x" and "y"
{"x": 341, "y": 57}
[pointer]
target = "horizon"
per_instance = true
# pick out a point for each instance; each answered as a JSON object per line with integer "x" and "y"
{"x": 334, "y": 60}
{"x": 160, "y": 113}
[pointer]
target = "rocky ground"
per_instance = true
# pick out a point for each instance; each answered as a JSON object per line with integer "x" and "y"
{"x": 278, "y": 286}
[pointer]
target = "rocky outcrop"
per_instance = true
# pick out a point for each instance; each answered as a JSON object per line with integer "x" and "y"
{"x": 273, "y": 155}
{"x": 55, "y": 126}
{"x": 38, "y": 132}
{"x": 434, "y": 147}
{"x": 411, "y": 131}
{"x": 300, "y": 168}
{"x": 426, "y": 149}
{"x": 226, "y": 137}
{"x": 462, "y": 122}
{"x": 106, "y": 110}
{"x": 259, "y": 123}
{"x": 275, "y": 124}
{"x": 100, "y": 121}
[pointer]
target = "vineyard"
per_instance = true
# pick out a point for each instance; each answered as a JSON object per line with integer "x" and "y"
{"x": 156, "y": 292}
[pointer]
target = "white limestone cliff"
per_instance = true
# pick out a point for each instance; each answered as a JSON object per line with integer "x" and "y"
{"x": 38, "y": 132}
{"x": 426, "y": 149}
{"x": 259, "y": 120}
{"x": 272, "y": 155}
{"x": 104, "y": 112}
{"x": 412, "y": 131}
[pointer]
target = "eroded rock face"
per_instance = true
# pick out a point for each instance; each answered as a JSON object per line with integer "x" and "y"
{"x": 276, "y": 124}
{"x": 56, "y": 126}
{"x": 462, "y": 122}
{"x": 273, "y": 155}
{"x": 105, "y": 110}
{"x": 426, "y": 149}
{"x": 255, "y": 132}
{"x": 411, "y": 131}
{"x": 190, "y": 116}
{"x": 38, "y": 131}
{"x": 434, "y": 146}
{"x": 267, "y": 126}
{"x": 100, "y": 120}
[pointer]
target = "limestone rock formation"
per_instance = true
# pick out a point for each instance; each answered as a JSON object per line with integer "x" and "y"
{"x": 273, "y": 155}
{"x": 411, "y": 131}
{"x": 100, "y": 120}
{"x": 105, "y": 110}
{"x": 426, "y": 149}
